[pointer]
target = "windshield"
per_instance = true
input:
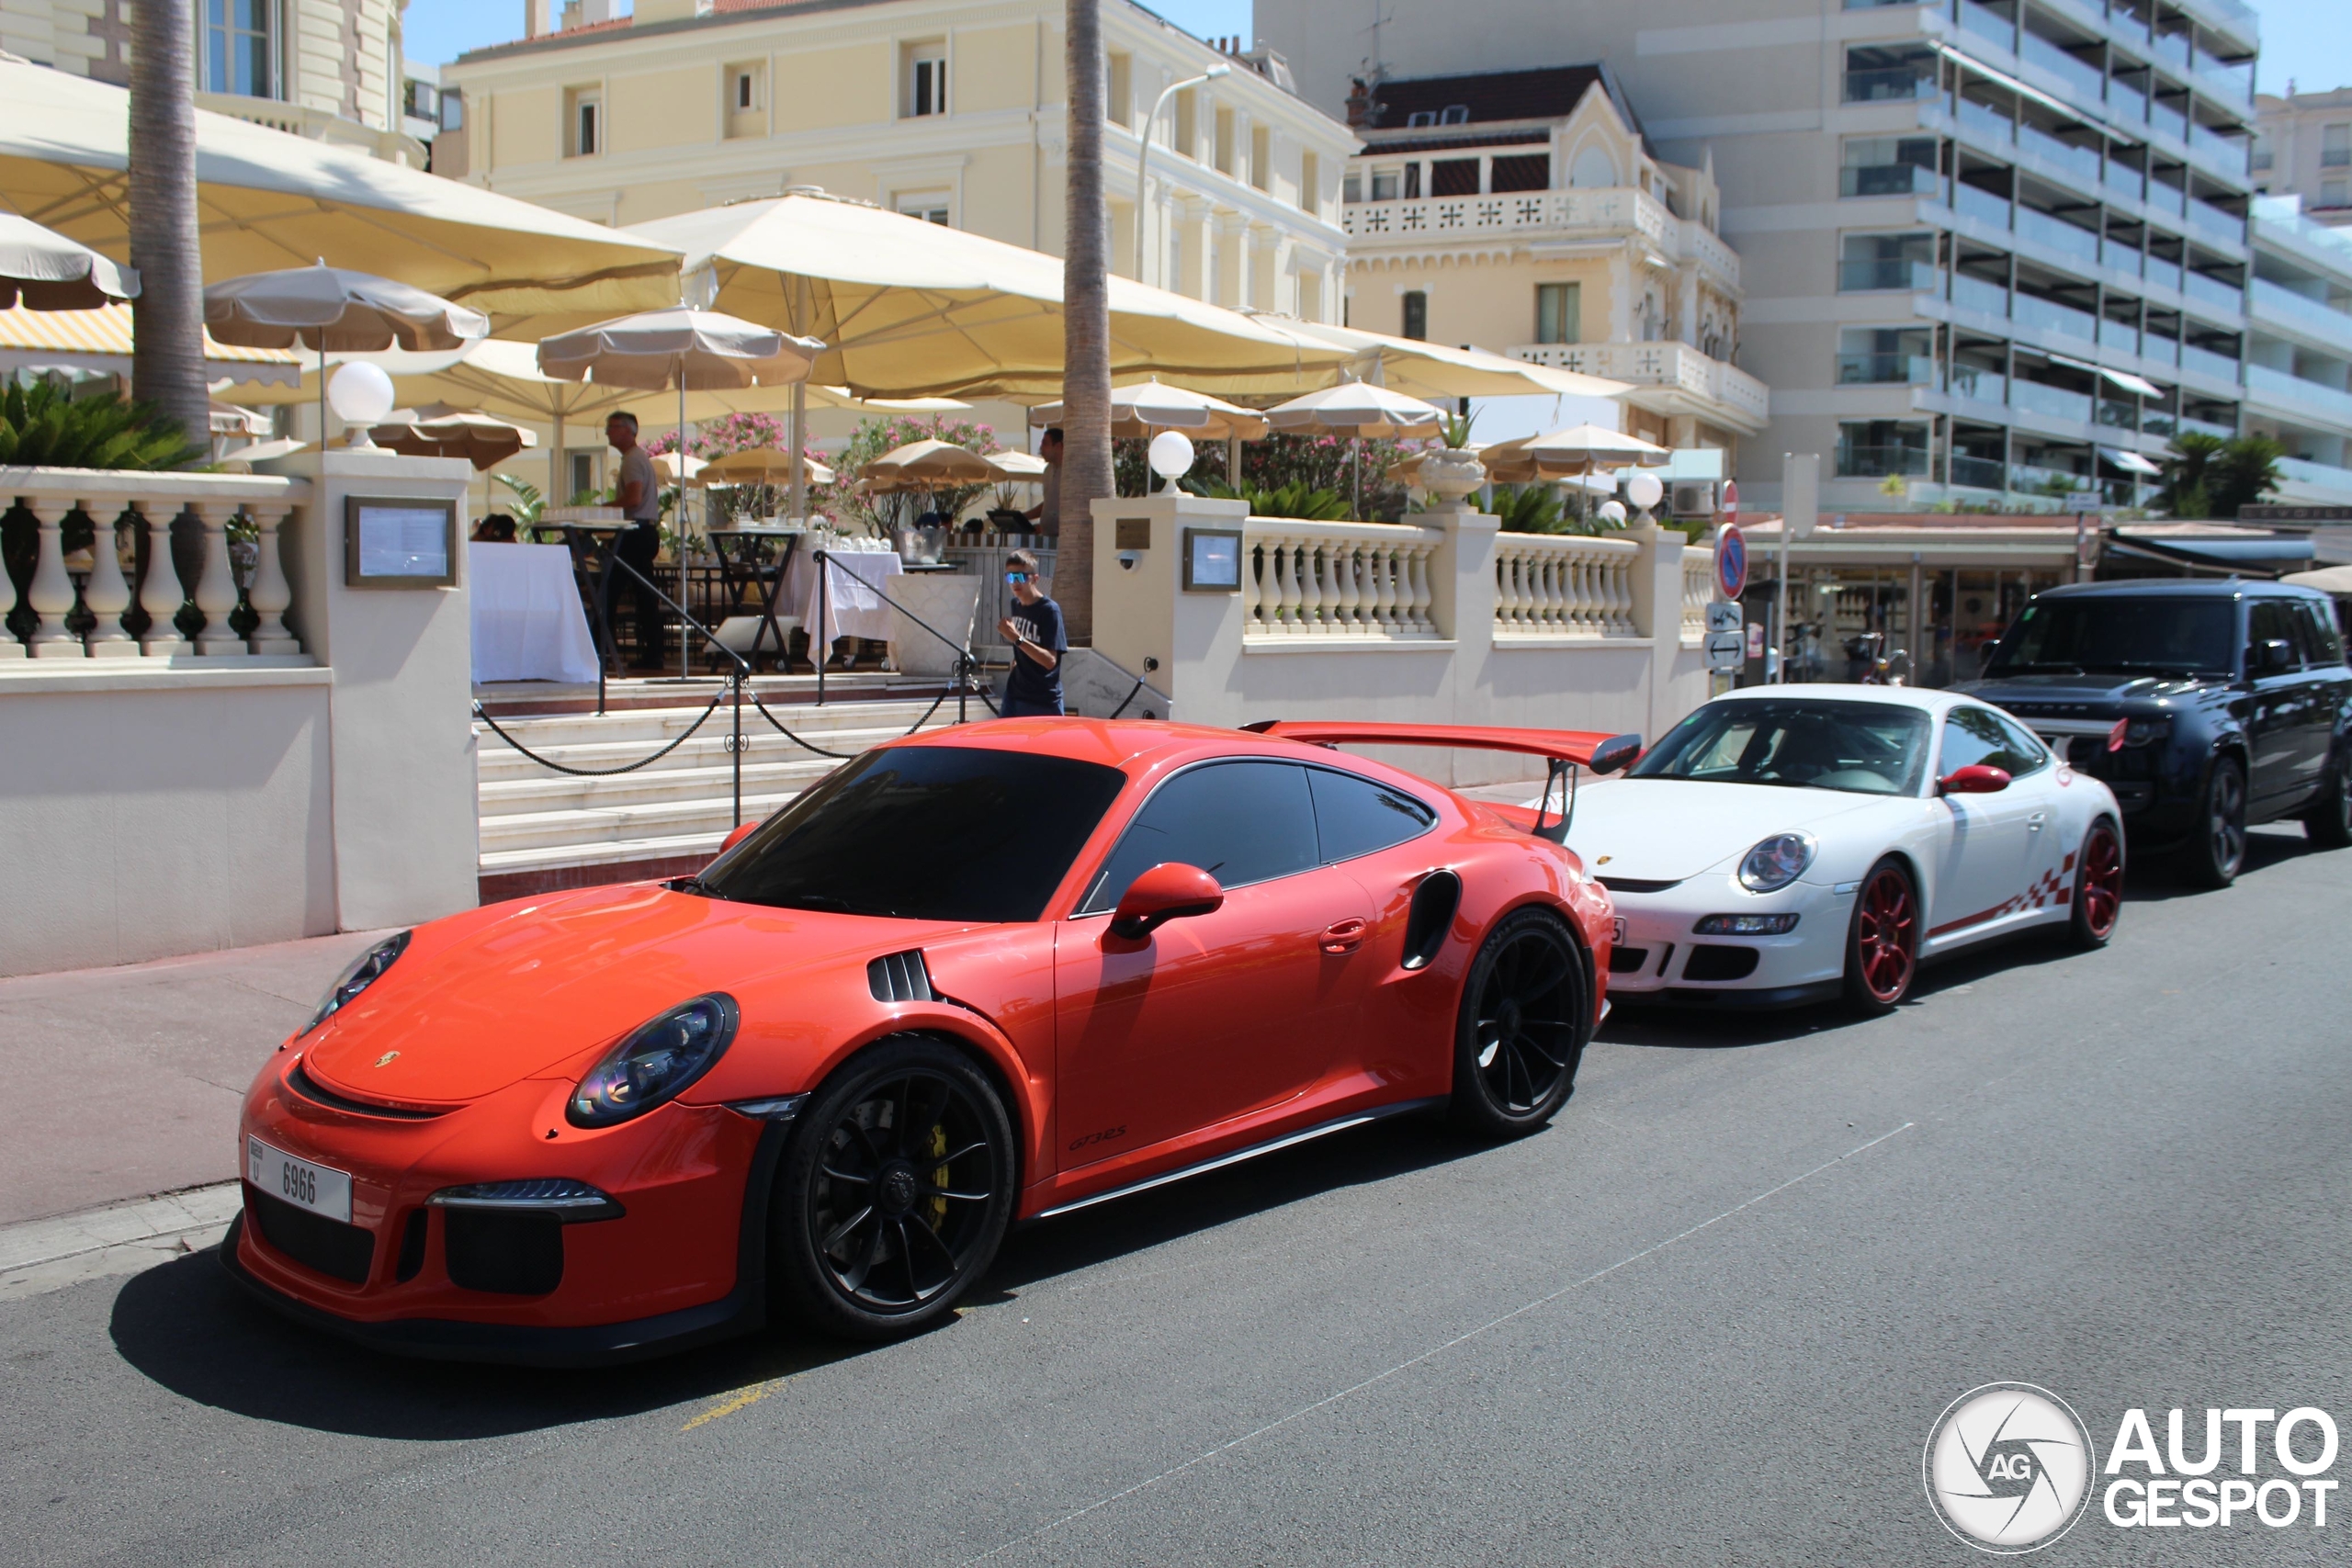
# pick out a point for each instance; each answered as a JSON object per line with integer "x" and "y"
{"x": 1869, "y": 748}
{"x": 2132, "y": 635}
{"x": 925, "y": 833}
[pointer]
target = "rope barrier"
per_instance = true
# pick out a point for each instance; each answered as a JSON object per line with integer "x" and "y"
{"x": 605, "y": 772}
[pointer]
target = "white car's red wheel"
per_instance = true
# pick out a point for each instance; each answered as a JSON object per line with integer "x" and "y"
{"x": 1882, "y": 946}
{"x": 2098, "y": 885}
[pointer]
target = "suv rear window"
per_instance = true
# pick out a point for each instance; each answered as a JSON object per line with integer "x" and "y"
{"x": 2134, "y": 635}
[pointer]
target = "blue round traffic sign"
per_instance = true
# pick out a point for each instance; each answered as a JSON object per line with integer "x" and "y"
{"x": 1731, "y": 562}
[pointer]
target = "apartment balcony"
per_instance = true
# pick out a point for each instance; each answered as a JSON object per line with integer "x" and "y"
{"x": 1534, "y": 219}
{"x": 2313, "y": 484}
{"x": 2296, "y": 400}
{"x": 2286, "y": 313}
{"x": 1885, "y": 371}
{"x": 1668, "y": 378}
{"x": 317, "y": 125}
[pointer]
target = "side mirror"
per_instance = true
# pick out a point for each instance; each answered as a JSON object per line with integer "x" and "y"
{"x": 1169, "y": 891}
{"x": 1974, "y": 779}
{"x": 2271, "y": 655}
{"x": 743, "y": 832}
{"x": 1617, "y": 752}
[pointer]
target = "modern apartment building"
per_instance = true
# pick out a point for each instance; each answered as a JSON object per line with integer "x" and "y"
{"x": 327, "y": 69}
{"x": 1522, "y": 211}
{"x": 2299, "y": 348}
{"x": 1989, "y": 251}
{"x": 948, "y": 110}
{"x": 2302, "y": 146}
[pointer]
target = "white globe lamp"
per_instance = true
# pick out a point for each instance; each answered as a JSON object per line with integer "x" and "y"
{"x": 1612, "y": 513}
{"x": 360, "y": 394}
{"x": 1171, "y": 457}
{"x": 1643, "y": 490}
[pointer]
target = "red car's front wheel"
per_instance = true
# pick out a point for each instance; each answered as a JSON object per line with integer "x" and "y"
{"x": 1882, "y": 947}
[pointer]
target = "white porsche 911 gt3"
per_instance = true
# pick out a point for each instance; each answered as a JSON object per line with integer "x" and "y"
{"x": 1788, "y": 844}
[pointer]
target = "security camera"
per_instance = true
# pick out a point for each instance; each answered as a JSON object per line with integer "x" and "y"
{"x": 1127, "y": 559}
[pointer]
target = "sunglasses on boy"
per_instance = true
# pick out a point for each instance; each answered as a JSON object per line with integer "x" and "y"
{"x": 1016, "y": 578}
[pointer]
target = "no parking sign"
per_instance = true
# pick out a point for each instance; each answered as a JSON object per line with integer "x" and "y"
{"x": 1731, "y": 562}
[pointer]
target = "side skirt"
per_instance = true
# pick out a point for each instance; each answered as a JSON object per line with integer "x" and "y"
{"x": 1288, "y": 1140}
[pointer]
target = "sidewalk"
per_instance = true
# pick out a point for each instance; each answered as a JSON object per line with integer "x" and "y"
{"x": 125, "y": 1082}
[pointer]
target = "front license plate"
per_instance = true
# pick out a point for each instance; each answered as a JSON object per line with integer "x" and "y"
{"x": 318, "y": 1188}
{"x": 1617, "y": 930}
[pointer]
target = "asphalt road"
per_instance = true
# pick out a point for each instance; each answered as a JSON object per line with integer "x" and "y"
{"x": 1707, "y": 1317}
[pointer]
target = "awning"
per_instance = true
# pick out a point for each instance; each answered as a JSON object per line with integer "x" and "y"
{"x": 99, "y": 340}
{"x": 2136, "y": 385}
{"x": 2129, "y": 462}
{"x": 2269, "y": 553}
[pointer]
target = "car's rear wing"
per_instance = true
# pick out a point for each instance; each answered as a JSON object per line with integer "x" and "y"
{"x": 1565, "y": 749}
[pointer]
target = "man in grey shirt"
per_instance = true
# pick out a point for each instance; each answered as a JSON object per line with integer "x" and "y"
{"x": 639, "y": 494}
{"x": 1047, "y": 515}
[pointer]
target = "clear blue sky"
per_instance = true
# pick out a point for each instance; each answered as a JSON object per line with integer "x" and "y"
{"x": 2308, "y": 39}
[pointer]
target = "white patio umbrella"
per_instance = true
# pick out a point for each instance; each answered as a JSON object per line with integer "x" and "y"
{"x": 925, "y": 464}
{"x": 50, "y": 272}
{"x": 1152, "y": 406}
{"x": 680, "y": 347}
{"x": 761, "y": 465}
{"x": 327, "y": 307}
{"x": 666, "y": 465}
{"x": 1576, "y": 452}
{"x": 1355, "y": 409}
{"x": 481, "y": 439}
{"x": 1018, "y": 467}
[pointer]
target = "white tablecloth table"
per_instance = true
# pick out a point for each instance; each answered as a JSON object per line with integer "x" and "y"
{"x": 851, "y": 607}
{"x": 527, "y": 620}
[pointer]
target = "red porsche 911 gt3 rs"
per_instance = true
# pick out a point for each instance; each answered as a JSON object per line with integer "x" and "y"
{"x": 986, "y": 974}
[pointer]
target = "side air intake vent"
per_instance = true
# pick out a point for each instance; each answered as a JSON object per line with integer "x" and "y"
{"x": 1429, "y": 918}
{"x": 900, "y": 977}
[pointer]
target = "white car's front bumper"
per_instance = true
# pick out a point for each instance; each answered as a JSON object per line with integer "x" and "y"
{"x": 1662, "y": 958}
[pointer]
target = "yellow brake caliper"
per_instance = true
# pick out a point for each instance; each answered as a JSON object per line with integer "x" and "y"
{"x": 938, "y": 1176}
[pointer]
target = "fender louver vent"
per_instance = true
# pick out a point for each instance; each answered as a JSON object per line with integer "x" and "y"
{"x": 900, "y": 977}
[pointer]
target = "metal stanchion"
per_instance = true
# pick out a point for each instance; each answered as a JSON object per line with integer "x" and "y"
{"x": 821, "y": 646}
{"x": 735, "y": 745}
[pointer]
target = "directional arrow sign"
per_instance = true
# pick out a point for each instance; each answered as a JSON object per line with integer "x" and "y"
{"x": 1726, "y": 650}
{"x": 1724, "y": 615}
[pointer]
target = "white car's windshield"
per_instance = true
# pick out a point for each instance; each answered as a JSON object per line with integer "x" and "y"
{"x": 1869, "y": 748}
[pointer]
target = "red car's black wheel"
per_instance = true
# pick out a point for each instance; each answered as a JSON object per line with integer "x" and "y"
{"x": 894, "y": 1194}
{"x": 1882, "y": 947}
{"x": 2098, "y": 886}
{"x": 1526, "y": 1014}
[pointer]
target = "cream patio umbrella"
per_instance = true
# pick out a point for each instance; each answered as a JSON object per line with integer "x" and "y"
{"x": 50, "y": 272}
{"x": 479, "y": 438}
{"x": 1355, "y": 409}
{"x": 324, "y": 308}
{"x": 928, "y": 464}
{"x": 762, "y": 465}
{"x": 265, "y": 200}
{"x": 680, "y": 347}
{"x": 912, "y": 308}
{"x": 1151, "y": 406}
{"x": 1409, "y": 366}
{"x": 666, "y": 466}
{"x": 1576, "y": 452}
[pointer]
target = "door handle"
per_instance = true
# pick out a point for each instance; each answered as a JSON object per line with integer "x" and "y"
{"x": 2034, "y": 822}
{"x": 1342, "y": 936}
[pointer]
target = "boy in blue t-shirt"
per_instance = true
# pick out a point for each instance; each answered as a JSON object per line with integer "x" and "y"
{"x": 1035, "y": 630}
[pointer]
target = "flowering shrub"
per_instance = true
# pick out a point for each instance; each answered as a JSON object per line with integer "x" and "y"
{"x": 849, "y": 504}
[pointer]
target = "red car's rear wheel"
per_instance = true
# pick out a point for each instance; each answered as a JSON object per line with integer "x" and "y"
{"x": 1526, "y": 1014}
{"x": 2098, "y": 886}
{"x": 1882, "y": 947}
{"x": 894, "y": 1194}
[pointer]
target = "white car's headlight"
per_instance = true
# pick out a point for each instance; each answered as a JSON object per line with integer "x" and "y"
{"x": 1777, "y": 862}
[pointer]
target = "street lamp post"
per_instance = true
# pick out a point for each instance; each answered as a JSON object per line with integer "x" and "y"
{"x": 1143, "y": 151}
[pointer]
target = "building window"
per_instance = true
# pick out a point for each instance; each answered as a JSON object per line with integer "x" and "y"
{"x": 2331, "y": 193}
{"x": 1453, "y": 176}
{"x": 745, "y": 87}
{"x": 1888, "y": 165}
{"x": 1869, "y": 262}
{"x": 420, "y": 100}
{"x": 583, "y": 122}
{"x": 926, "y": 79}
{"x": 1119, "y": 92}
{"x": 1262, "y": 156}
{"x": 1559, "y": 311}
{"x": 240, "y": 50}
{"x": 1223, "y": 141}
{"x": 583, "y": 473}
{"x": 1519, "y": 171}
{"x": 1352, "y": 187}
{"x": 1188, "y": 123}
{"x": 1385, "y": 183}
{"x": 1416, "y": 314}
{"x": 931, "y": 206}
{"x": 2264, "y": 160}
{"x": 1455, "y": 114}
{"x": 1873, "y": 449}
{"x": 1310, "y": 184}
{"x": 1886, "y": 356}
{"x": 1876, "y": 74}
{"x": 453, "y": 110}
{"x": 2335, "y": 146}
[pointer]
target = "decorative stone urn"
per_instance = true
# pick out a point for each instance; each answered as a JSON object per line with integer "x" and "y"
{"x": 1452, "y": 472}
{"x": 944, "y": 601}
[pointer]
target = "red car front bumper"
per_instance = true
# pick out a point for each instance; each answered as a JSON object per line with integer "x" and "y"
{"x": 682, "y": 1260}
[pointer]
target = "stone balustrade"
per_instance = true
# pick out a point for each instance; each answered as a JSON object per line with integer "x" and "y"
{"x": 1698, "y": 592}
{"x": 1338, "y": 579}
{"x": 1564, "y": 585}
{"x": 139, "y": 611}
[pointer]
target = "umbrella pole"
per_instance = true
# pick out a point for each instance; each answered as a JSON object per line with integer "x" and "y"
{"x": 800, "y": 502}
{"x": 555, "y": 496}
{"x": 322, "y": 395}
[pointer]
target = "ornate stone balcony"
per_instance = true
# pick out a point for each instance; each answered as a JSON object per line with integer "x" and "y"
{"x": 1668, "y": 378}
{"x": 1531, "y": 219}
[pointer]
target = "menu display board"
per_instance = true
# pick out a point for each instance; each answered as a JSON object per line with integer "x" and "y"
{"x": 399, "y": 542}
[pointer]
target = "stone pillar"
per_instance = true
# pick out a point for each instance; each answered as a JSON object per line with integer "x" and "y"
{"x": 270, "y": 594}
{"x": 1657, "y": 616}
{"x": 50, "y": 594}
{"x": 216, "y": 588}
{"x": 159, "y": 594}
{"x": 106, "y": 594}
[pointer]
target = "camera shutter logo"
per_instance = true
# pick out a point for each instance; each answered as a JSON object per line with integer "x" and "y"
{"x": 2009, "y": 1467}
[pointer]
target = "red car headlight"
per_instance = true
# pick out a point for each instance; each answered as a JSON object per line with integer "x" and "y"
{"x": 654, "y": 1062}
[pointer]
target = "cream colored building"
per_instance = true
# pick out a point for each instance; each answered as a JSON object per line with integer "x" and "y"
{"x": 948, "y": 110}
{"x": 1521, "y": 212}
{"x": 2302, "y": 146}
{"x": 326, "y": 69}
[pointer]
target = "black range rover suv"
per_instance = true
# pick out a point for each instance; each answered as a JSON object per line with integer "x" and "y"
{"x": 2204, "y": 705}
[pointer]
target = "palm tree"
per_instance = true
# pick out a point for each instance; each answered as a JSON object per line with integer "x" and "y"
{"x": 1086, "y": 327}
{"x": 167, "y": 318}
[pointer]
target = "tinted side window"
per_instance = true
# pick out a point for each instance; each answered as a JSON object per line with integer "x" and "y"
{"x": 1979, "y": 736}
{"x": 2268, "y": 619}
{"x": 1241, "y": 822}
{"x": 2320, "y": 643}
{"x": 1355, "y": 815}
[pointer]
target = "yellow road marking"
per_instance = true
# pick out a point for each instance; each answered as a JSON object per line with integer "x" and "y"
{"x": 743, "y": 1399}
